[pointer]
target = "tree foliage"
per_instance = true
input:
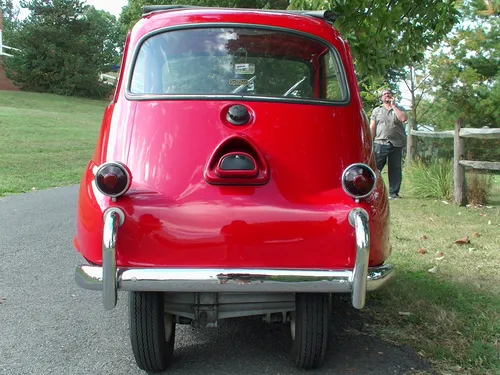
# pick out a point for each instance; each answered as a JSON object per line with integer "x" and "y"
{"x": 132, "y": 12}
{"x": 387, "y": 35}
{"x": 466, "y": 70}
{"x": 65, "y": 45}
{"x": 8, "y": 10}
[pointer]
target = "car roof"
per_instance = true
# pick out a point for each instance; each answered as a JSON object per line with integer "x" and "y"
{"x": 326, "y": 15}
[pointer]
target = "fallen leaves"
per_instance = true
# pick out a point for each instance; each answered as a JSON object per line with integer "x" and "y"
{"x": 476, "y": 234}
{"x": 424, "y": 237}
{"x": 422, "y": 251}
{"x": 463, "y": 240}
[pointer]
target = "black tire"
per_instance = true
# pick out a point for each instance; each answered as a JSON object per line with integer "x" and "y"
{"x": 153, "y": 351}
{"x": 309, "y": 329}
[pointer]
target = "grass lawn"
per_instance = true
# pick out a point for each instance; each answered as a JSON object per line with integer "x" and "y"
{"x": 444, "y": 300}
{"x": 46, "y": 139}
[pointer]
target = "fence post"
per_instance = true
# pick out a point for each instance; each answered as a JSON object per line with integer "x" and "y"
{"x": 458, "y": 170}
{"x": 410, "y": 149}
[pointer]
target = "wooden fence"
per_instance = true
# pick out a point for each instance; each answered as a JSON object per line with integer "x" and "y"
{"x": 459, "y": 164}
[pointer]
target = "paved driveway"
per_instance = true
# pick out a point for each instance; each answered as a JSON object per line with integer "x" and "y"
{"x": 50, "y": 326}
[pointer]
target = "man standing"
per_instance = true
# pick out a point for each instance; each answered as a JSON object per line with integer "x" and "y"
{"x": 389, "y": 137}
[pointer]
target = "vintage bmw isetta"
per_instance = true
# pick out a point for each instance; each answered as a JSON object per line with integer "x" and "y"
{"x": 233, "y": 176}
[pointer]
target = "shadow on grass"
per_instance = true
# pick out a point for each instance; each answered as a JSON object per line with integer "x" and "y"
{"x": 453, "y": 324}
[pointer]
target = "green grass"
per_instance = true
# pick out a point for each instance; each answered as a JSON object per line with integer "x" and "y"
{"x": 46, "y": 139}
{"x": 454, "y": 313}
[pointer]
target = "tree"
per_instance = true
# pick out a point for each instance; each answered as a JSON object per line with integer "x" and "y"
{"x": 8, "y": 10}
{"x": 9, "y": 17}
{"x": 132, "y": 12}
{"x": 65, "y": 45}
{"x": 386, "y": 35}
{"x": 466, "y": 69}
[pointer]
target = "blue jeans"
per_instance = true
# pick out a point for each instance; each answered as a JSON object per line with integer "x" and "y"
{"x": 393, "y": 156}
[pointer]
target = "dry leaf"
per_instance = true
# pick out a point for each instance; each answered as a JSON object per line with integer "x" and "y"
{"x": 471, "y": 249}
{"x": 444, "y": 202}
{"x": 440, "y": 253}
{"x": 476, "y": 234}
{"x": 489, "y": 222}
{"x": 433, "y": 270}
{"x": 440, "y": 258}
{"x": 431, "y": 219}
{"x": 424, "y": 237}
{"x": 404, "y": 313}
{"x": 422, "y": 251}
{"x": 463, "y": 240}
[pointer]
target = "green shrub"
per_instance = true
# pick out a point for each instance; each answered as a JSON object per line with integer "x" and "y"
{"x": 430, "y": 180}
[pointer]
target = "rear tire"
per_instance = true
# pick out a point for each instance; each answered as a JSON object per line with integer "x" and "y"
{"x": 309, "y": 329}
{"x": 152, "y": 332}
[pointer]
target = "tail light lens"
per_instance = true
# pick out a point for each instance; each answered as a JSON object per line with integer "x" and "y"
{"x": 358, "y": 180}
{"x": 112, "y": 179}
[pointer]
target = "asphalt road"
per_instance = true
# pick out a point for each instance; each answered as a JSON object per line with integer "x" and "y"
{"x": 50, "y": 326}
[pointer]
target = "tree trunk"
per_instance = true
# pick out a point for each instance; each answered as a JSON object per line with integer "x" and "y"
{"x": 459, "y": 170}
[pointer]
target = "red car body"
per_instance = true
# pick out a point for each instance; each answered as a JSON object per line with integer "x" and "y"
{"x": 182, "y": 209}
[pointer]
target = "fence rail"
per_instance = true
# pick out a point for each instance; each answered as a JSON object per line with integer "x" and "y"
{"x": 459, "y": 164}
{"x": 464, "y": 133}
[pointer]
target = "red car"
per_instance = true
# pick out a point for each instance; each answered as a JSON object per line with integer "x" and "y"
{"x": 233, "y": 176}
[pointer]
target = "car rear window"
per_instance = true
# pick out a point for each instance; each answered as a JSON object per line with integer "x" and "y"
{"x": 238, "y": 61}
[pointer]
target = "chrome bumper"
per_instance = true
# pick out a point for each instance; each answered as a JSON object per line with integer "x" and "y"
{"x": 109, "y": 279}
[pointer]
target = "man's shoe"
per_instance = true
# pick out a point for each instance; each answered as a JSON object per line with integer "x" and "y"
{"x": 394, "y": 196}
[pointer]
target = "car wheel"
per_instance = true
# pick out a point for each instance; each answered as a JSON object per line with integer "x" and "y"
{"x": 152, "y": 332}
{"x": 309, "y": 326}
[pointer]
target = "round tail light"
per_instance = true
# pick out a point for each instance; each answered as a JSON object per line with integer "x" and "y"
{"x": 112, "y": 179}
{"x": 358, "y": 180}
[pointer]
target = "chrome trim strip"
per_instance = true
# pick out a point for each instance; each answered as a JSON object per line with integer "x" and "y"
{"x": 109, "y": 289}
{"x": 231, "y": 280}
{"x": 359, "y": 220}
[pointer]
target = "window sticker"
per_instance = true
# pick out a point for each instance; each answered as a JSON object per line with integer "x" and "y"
{"x": 238, "y": 82}
{"x": 244, "y": 68}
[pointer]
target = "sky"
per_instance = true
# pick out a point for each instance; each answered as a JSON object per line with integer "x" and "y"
{"x": 112, "y": 6}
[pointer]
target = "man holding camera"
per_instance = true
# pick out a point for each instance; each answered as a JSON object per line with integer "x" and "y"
{"x": 389, "y": 136}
